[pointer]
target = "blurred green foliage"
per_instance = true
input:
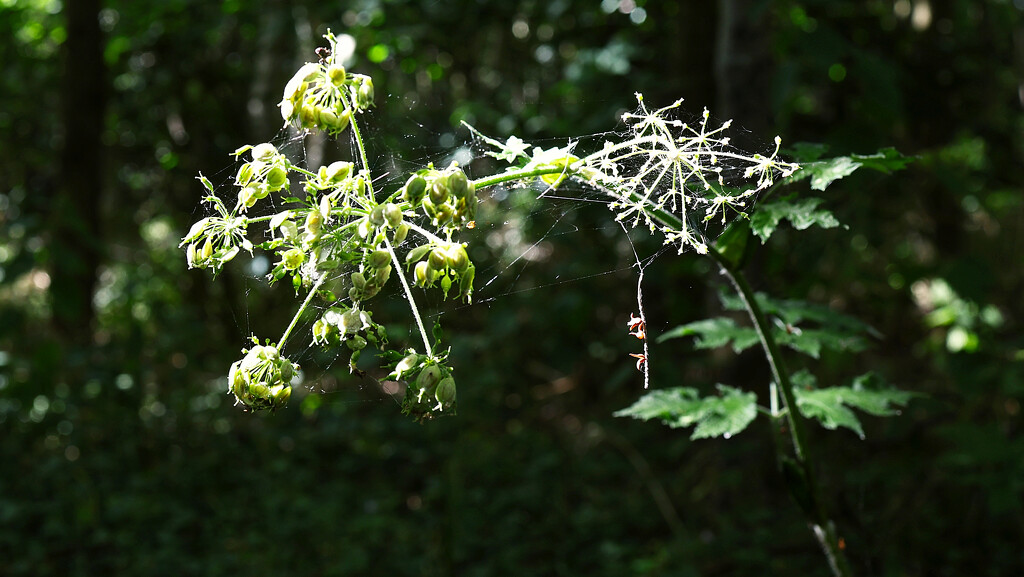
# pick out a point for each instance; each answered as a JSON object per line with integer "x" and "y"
{"x": 122, "y": 455}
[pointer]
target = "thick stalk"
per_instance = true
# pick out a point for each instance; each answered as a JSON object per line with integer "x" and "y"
{"x": 821, "y": 524}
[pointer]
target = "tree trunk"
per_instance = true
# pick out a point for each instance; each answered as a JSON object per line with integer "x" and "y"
{"x": 76, "y": 247}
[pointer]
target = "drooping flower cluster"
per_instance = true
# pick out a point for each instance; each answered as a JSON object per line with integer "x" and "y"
{"x": 261, "y": 380}
{"x": 324, "y": 95}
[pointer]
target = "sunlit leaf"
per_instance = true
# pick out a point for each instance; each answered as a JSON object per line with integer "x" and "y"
{"x": 714, "y": 333}
{"x": 824, "y": 172}
{"x": 801, "y": 214}
{"x": 714, "y": 416}
{"x": 831, "y": 406}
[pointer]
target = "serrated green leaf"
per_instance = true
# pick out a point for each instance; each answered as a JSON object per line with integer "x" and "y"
{"x": 665, "y": 404}
{"x": 801, "y": 214}
{"x": 803, "y": 152}
{"x": 726, "y": 415}
{"x": 714, "y": 416}
{"x": 810, "y": 342}
{"x": 829, "y": 406}
{"x": 714, "y": 333}
{"x": 886, "y": 160}
{"x": 795, "y": 312}
{"x": 824, "y": 172}
{"x": 826, "y": 405}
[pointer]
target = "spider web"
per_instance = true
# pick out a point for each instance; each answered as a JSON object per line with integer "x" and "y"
{"x": 517, "y": 251}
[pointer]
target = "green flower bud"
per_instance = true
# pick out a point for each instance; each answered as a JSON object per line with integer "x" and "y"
{"x": 264, "y": 152}
{"x": 293, "y": 259}
{"x": 259, "y": 391}
{"x": 379, "y": 258}
{"x": 358, "y": 280}
{"x": 364, "y": 95}
{"x": 356, "y": 343}
{"x": 380, "y": 278}
{"x": 429, "y": 208}
{"x": 248, "y": 196}
{"x": 277, "y": 178}
{"x": 245, "y": 174}
{"x": 459, "y": 184}
{"x": 414, "y": 189}
{"x": 314, "y": 221}
{"x": 429, "y": 376}
{"x": 439, "y": 191}
{"x": 406, "y": 364}
{"x": 457, "y": 258}
{"x": 334, "y": 122}
{"x": 443, "y": 214}
{"x": 370, "y": 291}
{"x": 287, "y": 370}
{"x": 437, "y": 259}
{"x": 400, "y": 233}
{"x": 466, "y": 282}
{"x": 351, "y": 322}
{"x": 392, "y": 214}
{"x": 445, "y": 392}
{"x": 355, "y": 294}
{"x": 190, "y": 255}
{"x": 308, "y": 116}
{"x": 207, "y": 251}
{"x": 336, "y": 73}
{"x": 279, "y": 396}
{"x": 337, "y": 172}
{"x": 377, "y": 216}
{"x": 422, "y": 274}
{"x": 417, "y": 253}
{"x": 287, "y": 110}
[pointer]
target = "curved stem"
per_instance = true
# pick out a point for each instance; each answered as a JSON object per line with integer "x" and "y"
{"x": 429, "y": 350}
{"x": 821, "y": 524}
{"x": 302, "y": 309}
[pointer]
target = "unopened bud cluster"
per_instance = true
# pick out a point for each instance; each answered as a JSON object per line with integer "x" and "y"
{"x": 261, "y": 379}
{"x": 430, "y": 386}
{"x": 447, "y": 197}
{"x": 324, "y": 95}
{"x": 267, "y": 172}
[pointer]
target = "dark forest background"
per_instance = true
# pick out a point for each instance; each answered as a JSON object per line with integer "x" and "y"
{"x": 120, "y": 453}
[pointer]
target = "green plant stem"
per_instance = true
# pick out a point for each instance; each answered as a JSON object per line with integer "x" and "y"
{"x": 426, "y": 233}
{"x": 429, "y": 350}
{"x": 522, "y": 174}
{"x": 821, "y": 524}
{"x": 302, "y": 309}
{"x": 362, "y": 152}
